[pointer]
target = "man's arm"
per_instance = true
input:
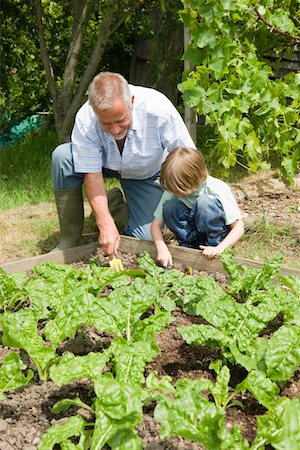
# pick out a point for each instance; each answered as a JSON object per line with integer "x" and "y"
{"x": 164, "y": 257}
{"x": 109, "y": 236}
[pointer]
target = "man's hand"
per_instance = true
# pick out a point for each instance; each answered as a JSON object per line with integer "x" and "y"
{"x": 109, "y": 236}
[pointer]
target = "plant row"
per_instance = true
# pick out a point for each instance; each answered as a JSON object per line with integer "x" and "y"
{"x": 254, "y": 322}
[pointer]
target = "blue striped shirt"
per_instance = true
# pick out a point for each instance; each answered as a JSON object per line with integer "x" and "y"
{"x": 157, "y": 128}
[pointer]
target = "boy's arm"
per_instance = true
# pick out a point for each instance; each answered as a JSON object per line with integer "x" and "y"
{"x": 163, "y": 257}
{"x": 236, "y": 232}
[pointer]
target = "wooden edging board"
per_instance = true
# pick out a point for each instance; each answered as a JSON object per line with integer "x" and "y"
{"x": 186, "y": 256}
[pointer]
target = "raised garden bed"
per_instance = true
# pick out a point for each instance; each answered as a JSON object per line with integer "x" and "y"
{"x": 252, "y": 336}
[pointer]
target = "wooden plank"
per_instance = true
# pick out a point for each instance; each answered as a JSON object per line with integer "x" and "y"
{"x": 191, "y": 257}
{"x": 66, "y": 256}
{"x": 185, "y": 256}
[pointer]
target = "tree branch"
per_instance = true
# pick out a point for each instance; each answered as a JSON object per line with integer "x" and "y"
{"x": 105, "y": 31}
{"x": 47, "y": 62}
{"x": 82, "y": 11}
{"x": 269, "y": 25}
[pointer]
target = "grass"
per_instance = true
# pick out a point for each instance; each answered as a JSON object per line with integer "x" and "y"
{"x": 28, "y": 218}
{"x": 265, "y": 237}
{"x": 25, "y": 170}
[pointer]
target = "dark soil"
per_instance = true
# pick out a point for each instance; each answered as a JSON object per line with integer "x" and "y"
{"x": 25, "y": 414}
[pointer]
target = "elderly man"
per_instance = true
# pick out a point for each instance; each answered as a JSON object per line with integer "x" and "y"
{"x": 122, "y": 131}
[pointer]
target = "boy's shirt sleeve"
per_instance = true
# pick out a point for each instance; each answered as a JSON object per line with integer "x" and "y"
{"x": 158, "y": 213}
{"x": 231, "y": 210}
{"x": 223, "y": 192}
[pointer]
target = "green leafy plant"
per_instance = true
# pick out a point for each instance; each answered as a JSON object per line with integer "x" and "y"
{"x": 11, "y": 374}
{"x": 132, "y": 307}
{"x": 254, "y": 116}
{"x": 236, "y": 326}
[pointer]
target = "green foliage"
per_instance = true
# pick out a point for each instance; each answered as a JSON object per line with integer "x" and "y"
{"x": 25, "y": 170}
{"x": 236, "y": 327}
{"x": 23, "y": 88}
{"x": 62, "y": 300}
{"x": 254, "y": 116}
{"x": 50, "y": 69}
{"x": 11, "y": 375}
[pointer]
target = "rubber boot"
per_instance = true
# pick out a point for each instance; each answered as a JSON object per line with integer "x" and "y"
{"x": 70, "y": 212}
{"x": 118, "y": 208}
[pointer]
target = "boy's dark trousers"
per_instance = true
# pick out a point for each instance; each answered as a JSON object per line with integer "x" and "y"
{"x": 204, "y": 224}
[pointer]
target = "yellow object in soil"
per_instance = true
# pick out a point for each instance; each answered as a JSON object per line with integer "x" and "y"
{"x": 116, "y": 263}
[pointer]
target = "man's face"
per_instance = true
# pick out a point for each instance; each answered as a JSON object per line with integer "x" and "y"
{"x": 117, "y": 120}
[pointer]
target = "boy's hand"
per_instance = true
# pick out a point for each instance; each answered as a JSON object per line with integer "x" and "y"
{"x": 164, "y": 257}
{"x": 210, "y": 252}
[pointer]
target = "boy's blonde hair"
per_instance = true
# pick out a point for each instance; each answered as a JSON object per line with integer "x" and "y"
{"x": 183, "y": 171}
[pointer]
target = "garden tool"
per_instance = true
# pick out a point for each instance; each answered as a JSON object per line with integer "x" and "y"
{"x": 115, "y": 263}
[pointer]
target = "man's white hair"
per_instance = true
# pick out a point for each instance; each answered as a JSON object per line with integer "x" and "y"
{"x": 105, "y": 87}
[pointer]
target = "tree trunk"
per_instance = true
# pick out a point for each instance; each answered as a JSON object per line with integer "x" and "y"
{"x": 67, "y": 102}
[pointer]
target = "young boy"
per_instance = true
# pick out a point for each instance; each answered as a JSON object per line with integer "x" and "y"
{"x": 199, "y": 209}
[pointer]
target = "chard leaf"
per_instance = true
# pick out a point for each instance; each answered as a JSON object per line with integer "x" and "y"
{"x": 125, "y": 440}
{"x": 66, "y": 403}
{"x": 146, "y": 262}
{"x": 152, "y": 324}
{"x": 187, "y": 294}
{"x": 220, "y": 388}
{"x": 11, "y": 376}
{"x": 71, "y": 367}
{"x": 60, "y": 433}
{"x": 118, "y": 407}
{"x": 68, "y": 445}
{"x": 131, "y": 358}
{"x": 127, "y": 304}
{"x": 108, "y": 276}
{"x": 54, "y": 272}
{"x": 193, "y": 417}
{"x": 12, "y": 292}
{"x": 207, "y": 335}
{"x": 262, "y": 388}
{"x": 45, "y": 296}
{"x": 20, "y": 331}
{"x": 245, "y": 280}
{"x": 76, "y": 309}
{"x": 155, "y": 384}
{"x": 280, "y": 427}
{"x": 291, "y": 282}
{"x": 283, "y": 353}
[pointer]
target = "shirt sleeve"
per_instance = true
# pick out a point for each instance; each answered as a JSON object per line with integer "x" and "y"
{"x": 231, "y": 210}
{"x": 86, "y": 144}
{"x": 158, "y": 213}
{"x": 174, "y": 132}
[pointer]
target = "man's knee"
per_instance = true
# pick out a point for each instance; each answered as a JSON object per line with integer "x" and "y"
{"x": 61, "y": 153}
{"x": 139, "y": 232}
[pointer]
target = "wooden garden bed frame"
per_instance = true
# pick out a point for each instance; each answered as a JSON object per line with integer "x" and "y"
{"x": 188, "y": 257}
